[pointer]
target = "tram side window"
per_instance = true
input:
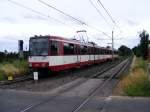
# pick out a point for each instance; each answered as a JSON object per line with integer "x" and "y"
{"x": 101, "y": 51}
{"x": 106, "y": 51}
{"x": 89, "y": 50}
{"x": 110, "y": 52}
{"x": 79, "y": 50}
{"x": 97, "y": 50}
{"x": 69, "y": 49}
{"x": 92, "y": 50}
{"x": 54, "y": 47}
{"x": 76, "y": 49}
{"x": 84, "y": 50}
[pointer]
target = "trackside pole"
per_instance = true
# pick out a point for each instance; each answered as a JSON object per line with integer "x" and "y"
{"x": 149, "y": 61}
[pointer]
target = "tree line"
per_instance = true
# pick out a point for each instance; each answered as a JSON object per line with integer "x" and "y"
{"x": 141, "y": 50}
{"x": 8, "y": 56}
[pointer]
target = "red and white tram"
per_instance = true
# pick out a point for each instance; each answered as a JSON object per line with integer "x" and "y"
{"x": 57, "y": 53}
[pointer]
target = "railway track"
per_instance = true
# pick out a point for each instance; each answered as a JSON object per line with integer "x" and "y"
{"x": 111, "y": 70}
{"x": 19, "y": 79}
{"x": 119, "y": 71}
{"x": 102, "y": 69}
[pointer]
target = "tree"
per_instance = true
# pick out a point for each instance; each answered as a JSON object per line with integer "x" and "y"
{"x": 143, "y": 47}
{"x": 124, "y": 51}
{"x": 137, "y": 51}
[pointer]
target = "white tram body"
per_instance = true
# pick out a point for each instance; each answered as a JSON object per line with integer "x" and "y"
{"x": 58, "y": 53}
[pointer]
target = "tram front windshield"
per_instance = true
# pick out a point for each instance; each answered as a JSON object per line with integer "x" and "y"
{"x": 38, "y": 46}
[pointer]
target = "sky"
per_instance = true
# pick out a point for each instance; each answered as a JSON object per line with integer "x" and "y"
{"x": 31, "y": 17}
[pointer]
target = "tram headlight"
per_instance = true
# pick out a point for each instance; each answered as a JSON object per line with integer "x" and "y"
{"x": 30, "y": 64}
{"x": 43, "y": 64}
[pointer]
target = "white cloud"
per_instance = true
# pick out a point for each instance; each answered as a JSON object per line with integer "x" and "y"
{"x": 19, "y": 23}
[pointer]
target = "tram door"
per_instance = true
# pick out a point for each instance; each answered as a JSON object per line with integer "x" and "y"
{"x": 78, "y": 53}
{"x": 89, "y": 53}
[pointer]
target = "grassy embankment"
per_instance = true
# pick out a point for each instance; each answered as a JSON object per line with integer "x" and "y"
{"x": 13, "y": 68}
{"x": 136, "y": 82}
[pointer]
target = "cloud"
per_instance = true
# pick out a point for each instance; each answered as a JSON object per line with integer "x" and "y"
{"x": 9, "y": 19}
{"x": 33, "y": 17}
{"x": 131, "y": 22}
{"x": 19, "y": 23}
{"x": 10, "y": 43}
{"x": 129, "y": 41}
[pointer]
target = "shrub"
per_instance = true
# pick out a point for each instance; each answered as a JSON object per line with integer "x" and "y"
{"x": 1, "y": 75}
{"x": 136, "y": 83}
{"x": 14, "y": 68}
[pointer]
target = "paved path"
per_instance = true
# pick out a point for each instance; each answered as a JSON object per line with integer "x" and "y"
{"x": 21, "y": 101}
{"x": 127, "y": 104}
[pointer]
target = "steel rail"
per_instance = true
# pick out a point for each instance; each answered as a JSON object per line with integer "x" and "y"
{"x": 92, "y": 94}
{"x": 60, "y": 92}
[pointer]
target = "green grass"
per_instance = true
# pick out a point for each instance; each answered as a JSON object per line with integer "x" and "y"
{"x": 14, "y": 68}
{"x": 136, "y": 83}
{"x": 140, "y": 63}
{"x": 1, "y": 76}
{"x": 138, "y": 87}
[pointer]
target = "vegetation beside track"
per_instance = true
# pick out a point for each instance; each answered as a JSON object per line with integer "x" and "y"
{"x": 136, "y": 82}
{"x": 13, "y": 68}
{"x": 1, "y": 75}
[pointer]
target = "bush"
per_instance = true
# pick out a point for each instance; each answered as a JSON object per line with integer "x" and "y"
{"x": 14, "y": 68}
{"x": 136, "y": 83}
{"x": 1, "y": 76}
{"x": 140, "y": 63}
